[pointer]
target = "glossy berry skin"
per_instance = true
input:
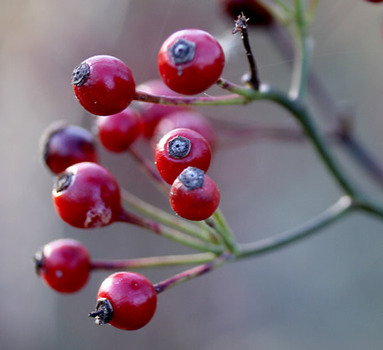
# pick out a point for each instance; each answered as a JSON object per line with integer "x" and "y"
{"x": 86, "y": 195}
{"x": 118, "y": 131}
{"x": 194, "y": 195}
{"x": 186, "y": 119}
{"x": 103, "y": 85}
{"x": 132, "y": 298}
{"x": 64, "y": 265}
{"x": 178, "y": 149}
{"x": 152, "y": 113}
{"x": 64, "y": 145}
{"x": 190, "y": 61}
{"x": 257, "y": 13}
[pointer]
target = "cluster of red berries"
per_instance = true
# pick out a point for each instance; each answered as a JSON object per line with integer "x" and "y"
{"x": 87, "y": 195}
{"x": 126, "y": 300}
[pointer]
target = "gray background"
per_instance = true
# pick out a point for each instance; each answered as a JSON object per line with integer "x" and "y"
{"x": 323, "y": 293}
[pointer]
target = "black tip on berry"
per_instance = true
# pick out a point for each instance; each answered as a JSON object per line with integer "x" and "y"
{"x": 103, "y": 313}
{"x": 63, "y": 181}
{"x": 39, "y": 261}
{"x": 182, "y": 51}
{"x": 80, "y": 74}
{"x": 179, "y": 147}
{"x": 192, "y": 178}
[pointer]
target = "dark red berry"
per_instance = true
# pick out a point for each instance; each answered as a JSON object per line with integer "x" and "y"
{"x": 64, "y": 145}
{"x": 375, "y": 1}
{"x": 186, "y": 119}
{"x": 257, "y": 13}
{"x": 103, "y": 85}
{"x": 86, "y": 195}
{"x": 64, "y": 265}
{"x": 190, "y": 61}
{"x": 194, "y": 195}
{"x": 126, "y": 300}
{"x": 152, "y": 113}
{"x": 178, "y": 149}
{"x": 118, "y": 131}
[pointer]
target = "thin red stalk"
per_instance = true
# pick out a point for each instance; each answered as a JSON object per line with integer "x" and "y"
{"x": 192, "y": 273}
{"x": 168, "y": 232}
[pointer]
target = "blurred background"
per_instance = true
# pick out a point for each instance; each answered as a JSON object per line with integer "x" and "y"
{"x": 323, "y": 293}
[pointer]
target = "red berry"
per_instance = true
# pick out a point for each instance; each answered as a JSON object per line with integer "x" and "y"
{"x": 65, "y": 145}
{"x": 86, "y": 195}
{"x": 194, "y": 195}
{"x": 103, "y": 85}
{"x": 374, "y": 1}
{"x": 190, "y": 61}
{"x": 177, "y": 150}
{"x": 186, "y": 119}
{"x": 118, "y": 131}
{"x": 126, "y": 300}
{"x": 257, "y": 13}
{"x": 64, "y": 265}
{"x": 152, "y": 113}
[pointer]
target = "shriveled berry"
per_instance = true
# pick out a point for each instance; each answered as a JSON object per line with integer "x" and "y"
{"x": 190, "y": 61}
{"x": 64, "y": 145}
{"x": 178, "y": 149}
{"x": 126, "y": 300}
{"x": 194, "y": 195}
{"x": 118, "y": 131}
{"x": 64, "y": 265}
{"x": 103, "y": 85}
{"x": 86, "y": 195}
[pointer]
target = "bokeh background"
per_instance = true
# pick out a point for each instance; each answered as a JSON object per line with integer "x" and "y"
{"x": 323, "y": 293}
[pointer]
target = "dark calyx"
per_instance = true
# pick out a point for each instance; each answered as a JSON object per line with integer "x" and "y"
{"x": 103, "y": 313}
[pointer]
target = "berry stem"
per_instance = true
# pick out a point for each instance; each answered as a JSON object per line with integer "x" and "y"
{"x": 303, "y": 46}
{"x": 222, "y": 227}
{"x": 168, "y": 232}
{"x": 192, "y": 273}
{"x": 241, "y": 26}
{"x": 155, "y": 261}
{"x": 233, "y": 99}
{"x": 195, "y": 229}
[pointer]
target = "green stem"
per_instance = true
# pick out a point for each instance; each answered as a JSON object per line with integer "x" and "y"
{"x": 370, "y": 206}
{"x": 169, "y": 233}
{"x": 303, "y": 46}
{"x": 196, "y": 230}
{"x": 223, "y": 229}
{"x": 233, "y": 99}
{"x": 332, "y": 214}
{"x": 303, "y": 116}
{"x": 154, "y": 261}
